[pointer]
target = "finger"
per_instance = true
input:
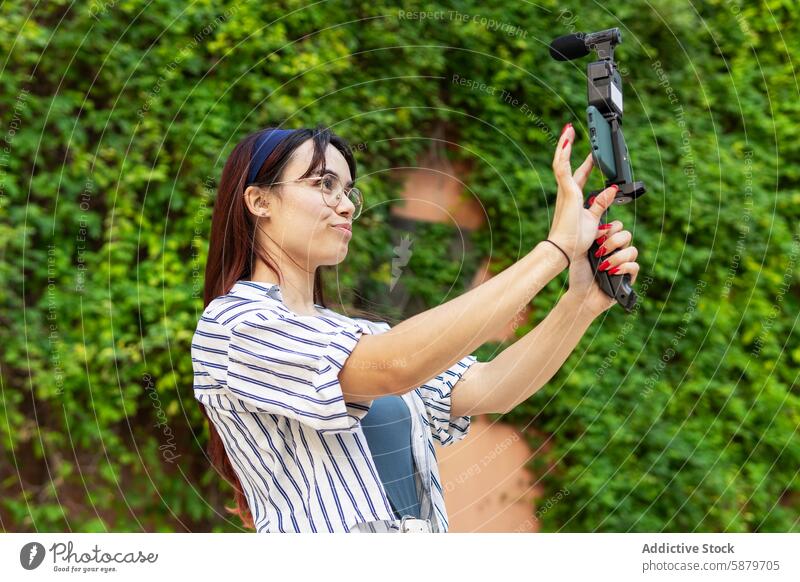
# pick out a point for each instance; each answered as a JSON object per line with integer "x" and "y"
{"x": 615, "y": 241}
{"x": 561, "y": 163}
{"x": 581, "y": 175}
{"x": 603, "y": 200}
{"x": 630, "y": 268}
{"x": 626, "y": 255}
{"x": 612, "y": 227}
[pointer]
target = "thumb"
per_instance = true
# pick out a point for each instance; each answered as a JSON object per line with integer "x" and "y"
{"x": 603, "y": 200}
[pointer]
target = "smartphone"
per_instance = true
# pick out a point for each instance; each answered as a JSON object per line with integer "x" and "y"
{"x": 600, "y": 138}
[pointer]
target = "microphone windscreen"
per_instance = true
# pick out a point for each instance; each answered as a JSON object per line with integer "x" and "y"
{"x": 568, "y": 47}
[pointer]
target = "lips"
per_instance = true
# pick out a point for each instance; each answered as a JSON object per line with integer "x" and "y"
{"x": 346, "y": 227}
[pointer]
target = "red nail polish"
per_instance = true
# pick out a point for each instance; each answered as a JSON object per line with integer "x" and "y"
{"x": 600, "y": 252}
{"x": 563, "y": 129}
{"x": 614, "y": 270}
{"x": 591, "y": 200}
{"x": 604, "y": 226}
{"x": 603, "y": 266}
{"x": 616, "y": 188}
{"x": 566, "y": 141}
{"x": 601, "y": 240}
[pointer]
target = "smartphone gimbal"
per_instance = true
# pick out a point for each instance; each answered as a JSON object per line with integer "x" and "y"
{"x": 604, "y": 116}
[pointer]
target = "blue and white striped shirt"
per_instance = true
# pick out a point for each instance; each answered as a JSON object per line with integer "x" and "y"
{"x": 268, "y": 379}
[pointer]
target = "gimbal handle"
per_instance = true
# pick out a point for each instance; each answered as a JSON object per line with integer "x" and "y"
{"x": 616, "y": 286}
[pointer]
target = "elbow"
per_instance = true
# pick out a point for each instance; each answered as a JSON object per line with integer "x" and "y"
{"x": 505, "y": 409}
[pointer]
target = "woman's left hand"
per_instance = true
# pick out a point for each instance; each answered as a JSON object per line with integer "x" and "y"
{"x": 582, "y": 283}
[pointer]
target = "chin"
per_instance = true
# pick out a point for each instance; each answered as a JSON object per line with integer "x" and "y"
{"x": 334, "y": 260}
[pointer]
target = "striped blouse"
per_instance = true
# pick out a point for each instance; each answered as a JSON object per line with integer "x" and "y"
{"x": 268, "y": 379}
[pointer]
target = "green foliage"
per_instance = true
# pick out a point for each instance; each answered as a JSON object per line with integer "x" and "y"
{"x": 122, "y": 119}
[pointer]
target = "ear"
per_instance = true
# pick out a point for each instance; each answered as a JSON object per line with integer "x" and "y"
{"x": 257, "y": 201}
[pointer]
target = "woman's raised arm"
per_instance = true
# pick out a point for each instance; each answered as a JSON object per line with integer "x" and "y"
{"x": 423, "y": 346}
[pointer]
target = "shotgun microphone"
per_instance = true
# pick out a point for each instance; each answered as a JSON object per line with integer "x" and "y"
{"x": 580, "y": 44}
{"x": 568, "y": 47}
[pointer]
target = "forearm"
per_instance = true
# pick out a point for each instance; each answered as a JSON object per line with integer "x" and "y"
{"x": 528, "y": 364}
{"x": 432, "y": 341}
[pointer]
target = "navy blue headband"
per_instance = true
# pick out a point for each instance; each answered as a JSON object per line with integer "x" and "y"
{"x": 268, "y": 141}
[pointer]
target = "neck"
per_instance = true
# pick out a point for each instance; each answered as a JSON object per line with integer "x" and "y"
{"x": 297, "y": 286}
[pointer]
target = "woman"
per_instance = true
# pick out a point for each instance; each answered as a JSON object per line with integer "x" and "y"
{"x": 325, "y": 423}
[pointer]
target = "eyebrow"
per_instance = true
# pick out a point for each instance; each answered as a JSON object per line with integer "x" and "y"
{"x": 327, "y": 171}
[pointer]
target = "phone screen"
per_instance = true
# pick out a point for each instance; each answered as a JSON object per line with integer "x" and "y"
{"x": 600, "y": 138}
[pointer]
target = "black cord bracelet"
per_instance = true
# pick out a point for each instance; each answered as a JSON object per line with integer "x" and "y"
{"x": 559, "y": 248}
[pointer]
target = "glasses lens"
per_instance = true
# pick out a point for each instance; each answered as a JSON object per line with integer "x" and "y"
{"x": 332, "y": 191}
{"x": 357, "y": 200}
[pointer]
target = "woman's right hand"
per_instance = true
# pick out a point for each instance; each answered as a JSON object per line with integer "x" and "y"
{"x": 575, "y": 227}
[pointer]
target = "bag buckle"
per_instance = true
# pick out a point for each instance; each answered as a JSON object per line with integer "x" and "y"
{"x": 410, "y": 524}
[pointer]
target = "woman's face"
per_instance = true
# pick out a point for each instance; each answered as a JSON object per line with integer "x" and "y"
{"x": 297, "y": 219}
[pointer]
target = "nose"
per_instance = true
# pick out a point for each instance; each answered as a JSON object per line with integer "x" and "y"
{"x": 346, "y": 207}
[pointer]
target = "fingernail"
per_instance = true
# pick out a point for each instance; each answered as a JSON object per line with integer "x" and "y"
{"x": 604, "y": 226}
{"x": 591, "y": 200}
{"x": 603, "y": 266}
{"x": 601, "y": 240}
{"x": 600, "y": 252}
{"x": 616, "y": 188}
{"x": 614, "y": 270}
{"x": 563, "y": 129}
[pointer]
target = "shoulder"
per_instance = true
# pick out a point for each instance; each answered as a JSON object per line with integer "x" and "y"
{"x": 227, "y": 311}
{"x": 215, "y": 327}
{"x": 228, "y": 315}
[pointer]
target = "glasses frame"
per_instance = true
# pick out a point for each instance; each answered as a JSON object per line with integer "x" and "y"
{"x": 345, "y": 191}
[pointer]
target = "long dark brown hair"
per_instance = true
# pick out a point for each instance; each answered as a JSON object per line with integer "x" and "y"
{"x": 233, "y": 249}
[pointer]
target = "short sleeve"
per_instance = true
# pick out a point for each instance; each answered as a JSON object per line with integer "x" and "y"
{"x": 289, "y": 365}
{"x": 436, "y": 394}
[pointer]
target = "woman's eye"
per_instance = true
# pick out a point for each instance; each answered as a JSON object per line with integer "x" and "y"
{"x": 328, "y": 182}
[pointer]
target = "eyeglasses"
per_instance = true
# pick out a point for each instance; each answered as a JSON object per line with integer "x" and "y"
{"x": 332, "y": 190}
